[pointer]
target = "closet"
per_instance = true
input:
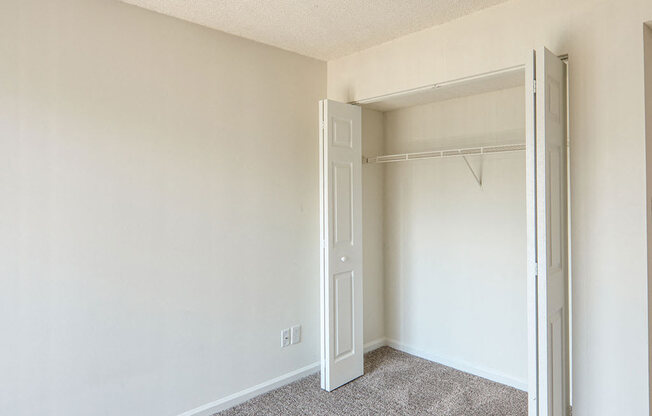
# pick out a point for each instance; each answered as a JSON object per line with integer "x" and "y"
{"x": 444, "y": 228}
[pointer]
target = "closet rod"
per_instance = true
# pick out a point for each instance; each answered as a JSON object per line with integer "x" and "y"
{"x": 437, "y": 154}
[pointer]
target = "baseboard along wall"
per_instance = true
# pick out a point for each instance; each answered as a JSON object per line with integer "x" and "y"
{"x": 246, "y": 394}
{"x": 466, "y": 367}
{"x": 280, "y": 381}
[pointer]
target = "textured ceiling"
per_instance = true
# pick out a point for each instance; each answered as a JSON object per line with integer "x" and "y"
{"x": 325, "y": 29}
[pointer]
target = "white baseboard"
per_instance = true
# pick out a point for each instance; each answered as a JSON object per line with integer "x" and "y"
{"x": 489, "y": 374}
{"x": 246, "y": 394}
{"x": 374, "y": 345}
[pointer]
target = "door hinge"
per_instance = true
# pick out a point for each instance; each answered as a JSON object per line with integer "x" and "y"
{"x": 534, "y": 86}
{"x": 322, "y": 125}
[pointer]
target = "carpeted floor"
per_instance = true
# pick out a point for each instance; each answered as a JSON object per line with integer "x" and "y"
{"x": 394, "y": 383}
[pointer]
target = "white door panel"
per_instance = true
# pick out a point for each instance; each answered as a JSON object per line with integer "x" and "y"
{"x": 341, "y": 234}
{"x": 549, "y": 180}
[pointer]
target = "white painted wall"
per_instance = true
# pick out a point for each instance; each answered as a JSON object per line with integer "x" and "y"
{"x": 603, "y": 39}
{"x": 158, "y": 210}
{"x": 455, "y": 252}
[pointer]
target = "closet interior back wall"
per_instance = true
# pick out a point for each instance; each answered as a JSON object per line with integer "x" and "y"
{"x": 454, "y": 252}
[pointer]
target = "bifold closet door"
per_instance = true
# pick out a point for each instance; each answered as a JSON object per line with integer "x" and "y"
{"x": 549, "y": 280}
{"x": 341, "y": 243}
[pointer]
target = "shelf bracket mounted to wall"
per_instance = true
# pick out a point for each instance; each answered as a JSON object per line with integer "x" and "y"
{"x": 477, "y": 175}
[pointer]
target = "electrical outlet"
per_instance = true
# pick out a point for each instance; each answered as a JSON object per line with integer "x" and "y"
{"x": 285, "y": 337}
{"x": 295, "y": 334}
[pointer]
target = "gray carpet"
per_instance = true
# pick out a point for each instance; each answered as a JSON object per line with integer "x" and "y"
{"x": 394, "y": 383}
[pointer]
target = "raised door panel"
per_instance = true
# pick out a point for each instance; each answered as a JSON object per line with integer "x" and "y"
{"x": 344, "y": 311}
{"x": 342, "y": 204}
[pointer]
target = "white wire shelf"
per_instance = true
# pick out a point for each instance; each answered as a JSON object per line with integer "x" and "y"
{"x": 438, "y": 154}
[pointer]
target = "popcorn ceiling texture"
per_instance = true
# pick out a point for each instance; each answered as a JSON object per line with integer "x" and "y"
{"x": 320, "y": 29}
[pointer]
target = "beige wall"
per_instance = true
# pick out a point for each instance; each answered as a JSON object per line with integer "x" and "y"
{"x": 158, "y": 210}
{"x": 603, "y": 39}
